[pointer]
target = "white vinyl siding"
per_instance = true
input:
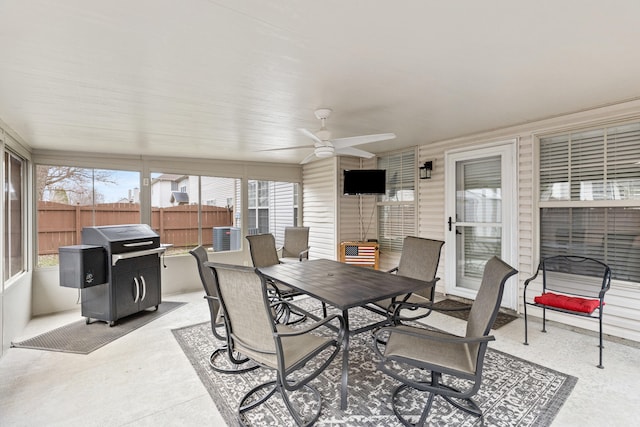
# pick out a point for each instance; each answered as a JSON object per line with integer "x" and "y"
{"x": 320, "y": 207}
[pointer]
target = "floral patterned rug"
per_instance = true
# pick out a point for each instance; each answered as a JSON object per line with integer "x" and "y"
{"x": 513, "y": 392}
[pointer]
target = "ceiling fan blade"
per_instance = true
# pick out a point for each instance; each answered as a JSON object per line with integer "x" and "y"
{"x": 362, "y": 139}
{"x": 306, "y": 147}
{"x": 350, "y": 151}
{"x": 310, "y": 135}
{"x": 311, "y": 157}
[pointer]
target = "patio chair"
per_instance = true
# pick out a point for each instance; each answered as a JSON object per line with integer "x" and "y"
{"x": 264, "y": 253}
{"x": 412, "y": 352}
{"x": 571, "y": 284}
{"x": 252, "y": 330}
{"x": 418, "y": 260}
{"x": 296, "y": 244}
{"x": 236, "y": 362}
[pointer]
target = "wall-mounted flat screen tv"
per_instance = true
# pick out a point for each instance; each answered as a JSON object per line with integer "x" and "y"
{"x": 364, "y": 181}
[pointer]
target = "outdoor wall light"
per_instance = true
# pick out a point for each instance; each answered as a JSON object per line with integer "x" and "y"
{"x": 425, "y": 171}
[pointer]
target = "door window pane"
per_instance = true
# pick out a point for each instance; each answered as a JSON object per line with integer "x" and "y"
{"x": 478, "y": 204}
{"x": 479, "y": 191}
{"x": 474, "y": 247}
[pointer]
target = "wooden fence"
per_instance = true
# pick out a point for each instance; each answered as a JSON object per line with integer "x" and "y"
{"x": 61, "y": 225}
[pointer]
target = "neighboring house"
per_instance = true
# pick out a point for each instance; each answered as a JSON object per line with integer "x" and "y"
{"x": 163, "y": 187}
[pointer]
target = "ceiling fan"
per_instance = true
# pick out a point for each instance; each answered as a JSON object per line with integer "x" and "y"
{"x": 324, "y": 146}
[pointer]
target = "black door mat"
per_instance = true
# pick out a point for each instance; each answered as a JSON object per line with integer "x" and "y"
{"x": 78, "y": 337}
{"x": 501, "y": 320}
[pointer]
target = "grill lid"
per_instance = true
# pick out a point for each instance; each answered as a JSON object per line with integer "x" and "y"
{"x": 121, "y": 238}
{"x": 125, "y": 232}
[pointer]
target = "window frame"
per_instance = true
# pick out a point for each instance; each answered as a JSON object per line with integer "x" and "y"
{"x": 599, "y": 205}
{"x": 408, "y": 208}
{"x": 7, "y": 217}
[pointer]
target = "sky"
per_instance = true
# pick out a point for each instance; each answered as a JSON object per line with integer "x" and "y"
{"x": 125, "y": 181}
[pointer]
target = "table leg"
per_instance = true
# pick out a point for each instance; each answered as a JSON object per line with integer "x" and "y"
{"x": 345, "y": 362}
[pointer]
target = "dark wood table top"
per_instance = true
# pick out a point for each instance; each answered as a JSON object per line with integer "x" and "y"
{"x": 342, "y": 285}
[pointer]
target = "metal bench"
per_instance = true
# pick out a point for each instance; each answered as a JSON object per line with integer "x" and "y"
{"x": 573, "y": 285}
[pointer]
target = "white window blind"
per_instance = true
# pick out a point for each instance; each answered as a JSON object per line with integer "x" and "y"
{"x": 590, "y": 197}
{"x": 480, "y": 190}
{"x": 397, "y": 207}
{"x": 592, "y": 165}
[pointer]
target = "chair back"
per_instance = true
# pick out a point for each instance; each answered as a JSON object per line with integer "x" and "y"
{"x": 209, "y": 284}
{"x": 296, "y": 240}
{"x": 576, "y": 275}
{"x": 206, "y": 275}
{"x": 484, "y": 309}
{"x": 419, "y": 260}
{"x": 263, "y": 250}
{"x": 249, "y": 323}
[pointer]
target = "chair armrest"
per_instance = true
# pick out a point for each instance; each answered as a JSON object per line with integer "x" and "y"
{"x": 532, "y": 278}
{"x": 393, "y": 270}
{"x": 316, "y": 325}
{"x": 423, "y": 334}
{"x": 304, "y": 254}
{"x": 396, "y": 307}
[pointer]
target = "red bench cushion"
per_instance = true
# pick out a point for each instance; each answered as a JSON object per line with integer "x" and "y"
{"x": 583, "y": 305}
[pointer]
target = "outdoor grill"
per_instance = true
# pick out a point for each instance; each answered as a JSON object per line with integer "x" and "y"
{"x": 132, "y": 262}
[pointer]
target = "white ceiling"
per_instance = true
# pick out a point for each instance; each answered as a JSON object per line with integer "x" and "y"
{"x": 227, "y": 78}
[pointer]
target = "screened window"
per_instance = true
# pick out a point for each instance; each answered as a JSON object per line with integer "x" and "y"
{"x": 273, "y": 205}
{"x": 70, "y": 198}
{"x": 590, "y": 197}
{"x": 397, "y": 207}
{"x": 13, "y": 214}
{"x": 203, "y": 212}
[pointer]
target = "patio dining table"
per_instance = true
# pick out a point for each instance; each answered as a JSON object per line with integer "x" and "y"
{"x": 343, "y": 286}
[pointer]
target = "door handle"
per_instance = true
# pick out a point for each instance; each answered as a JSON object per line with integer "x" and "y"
{"x": 451, "y": 223}
{"x": 135, "y": 280}
{"x": 144, "y": 288}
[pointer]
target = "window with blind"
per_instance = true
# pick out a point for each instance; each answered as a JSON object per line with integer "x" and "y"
{"x": 590, "y": 197}
{"x": 397, "y": 207}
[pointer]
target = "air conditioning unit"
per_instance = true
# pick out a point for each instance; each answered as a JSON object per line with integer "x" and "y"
{"x": 226, "y": 239}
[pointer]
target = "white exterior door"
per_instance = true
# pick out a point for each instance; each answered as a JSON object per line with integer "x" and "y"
{"x": 481, "y": 216}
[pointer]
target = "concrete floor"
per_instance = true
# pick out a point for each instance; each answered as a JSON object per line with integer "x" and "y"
{"x": 144, "y": 378}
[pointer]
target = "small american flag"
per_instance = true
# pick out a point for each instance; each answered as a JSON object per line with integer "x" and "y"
{"x": 362, "y": 255}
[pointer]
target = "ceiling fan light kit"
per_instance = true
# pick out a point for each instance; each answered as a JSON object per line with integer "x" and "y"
{"x": 324, "y": 152}
{"x": 324, "y": 146}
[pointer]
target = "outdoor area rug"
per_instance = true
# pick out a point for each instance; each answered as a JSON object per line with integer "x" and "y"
{"x": 501, "y": 320}
{"x": 78, "y": 337}
{"x": 513, "y": 392}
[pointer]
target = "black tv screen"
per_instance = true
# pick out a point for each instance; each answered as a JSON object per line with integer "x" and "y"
{"x": 364, "y": 181}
